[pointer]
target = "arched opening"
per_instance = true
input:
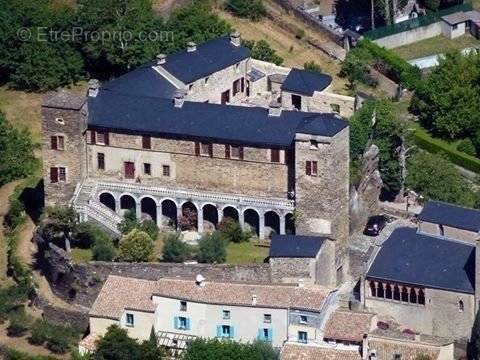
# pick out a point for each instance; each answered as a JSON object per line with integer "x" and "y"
{"x": 388, "y": 292}
{"x": 421, "y": 297}
{"x": 210, "y": 217}
{"x": 405, "y": 294}
{"x": 381, "y": 291}
{"x": 189, "y": 219}
{"x": 230, "y": 212}
{"x": 289, "y": 224}
{"x": 413, "y": 296}
{"x": 127, "y": 202}
{"x": 373, "y": 292}
{"x": 149, "y": 209}
{"x": 252, "y": 221}
{"x": 396, "y": 293}
{"x": 272, "y": 223}
{"x": 108, "y": 200}
{"x": 169, "y": 213}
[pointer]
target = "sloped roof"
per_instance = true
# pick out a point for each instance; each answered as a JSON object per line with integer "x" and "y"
{"x": 295, "y": 246}
{"x": 348, "y": 325}
{"x": 409, "y": 257}
{"x": 63, "y": 100}
{"x": 247, "y": 125}
{"x": 438, "y": 212}
{"x": 209, "y": 58}
{"x": 306, "y": 82}
{"x": 314, "y": 352}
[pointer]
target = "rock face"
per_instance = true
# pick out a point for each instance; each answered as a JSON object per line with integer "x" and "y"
{"x": 364, "y": 197}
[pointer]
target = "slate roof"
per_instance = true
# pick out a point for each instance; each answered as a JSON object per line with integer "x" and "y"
{"x": 306, "y": 82}
{"x": 63, "y": 100}
{"x": 295, "y": 246}
{"x": 210, "y": 57}
{"x": 451, "y": 215}
{"x": 409, "y": 257}
{"x": 246, "y": 125}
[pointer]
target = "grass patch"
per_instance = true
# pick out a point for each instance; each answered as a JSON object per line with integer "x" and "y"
{"x": 246, "y": 253}
{"x": 81, "y": 256}
{"x": 435, "y": 45}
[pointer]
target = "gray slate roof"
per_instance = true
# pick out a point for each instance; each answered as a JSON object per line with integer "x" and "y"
{"x": 295, "y": 246}
{"x": 408, "y": 257}
{"x": 442, "y": 213}
{"x": 306, "y": 82}
{"x": 63, "y": 100}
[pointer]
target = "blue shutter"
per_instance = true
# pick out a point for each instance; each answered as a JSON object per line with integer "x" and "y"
{"x": 219, "y": 331}
{"x": 232, "y": 332}
{"x": 175, "y": 322}
{"x": 187, "y": 327}
{"x": 270, "y": 335}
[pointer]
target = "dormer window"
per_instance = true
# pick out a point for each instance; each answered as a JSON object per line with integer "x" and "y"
{"x": 206, "y": 80}
{"x": 190, "y": 87}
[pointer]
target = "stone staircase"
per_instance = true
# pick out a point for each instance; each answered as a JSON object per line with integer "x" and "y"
{"x": 90, "y": 209}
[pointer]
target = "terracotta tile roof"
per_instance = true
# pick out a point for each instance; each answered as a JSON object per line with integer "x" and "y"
{"x": 387, "y": 348}
{"x": 89, "y": 342}
{"x": 348, "y": 325}
{"x": 119, "y": 293}
{"x": 277, "y": 296}
{"x": 309, "y": 352}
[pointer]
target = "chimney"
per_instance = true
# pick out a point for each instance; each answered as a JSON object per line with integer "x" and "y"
{"x": 191, "y": 46}
{"x": 93, "y": 87}
{"x": 254, "y": 300}
{"x": 301, "y": 283}
{"x": 417, "y": 337}
{"x": 235, "y": 38}
{"x": 178, "y": 99}
{"x": 200, "y": 280}
{"x": 161, "y": 59}
{"x": 274, "y": 109}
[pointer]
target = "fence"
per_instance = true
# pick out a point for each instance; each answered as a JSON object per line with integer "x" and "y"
{"x": 412, "y": 24}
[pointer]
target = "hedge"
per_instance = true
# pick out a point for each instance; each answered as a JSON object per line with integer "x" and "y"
{"x": 426, "y": 142}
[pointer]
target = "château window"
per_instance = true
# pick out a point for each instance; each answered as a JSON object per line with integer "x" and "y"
{"x": 147, "y": 169}
{"x": 267, "y": 318}
{"x": 233, "y": 152}
{"x": 166, "y": 170}
{"x": 57, "y": 142}
{"x": 204, "y": 149}
{"x": 226, "y": 314}
{"x": 146, "y": 142}
{"x": 100, "y": 137}
{"x": 461, "y": 306}
{"x": 303, "y": 319}
{"x": 313, "y": 144}
{"x": 58, "y": 174}
{"x": 130, "y": 320}
{"x": 183, "y": 306}
{"x": 275, "y": 155}
{"x": 302, "y": 337}
{"x": 101, "y": 161}
{"x": 311, "y": 168}
{"x": 236, "y": 87}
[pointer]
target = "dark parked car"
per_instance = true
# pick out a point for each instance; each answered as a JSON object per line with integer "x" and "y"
{"x": 375, "y": 225}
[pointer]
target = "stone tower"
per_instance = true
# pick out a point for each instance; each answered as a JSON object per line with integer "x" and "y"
{"x": 64, "y": 121}
{"x": 322, "y": 194}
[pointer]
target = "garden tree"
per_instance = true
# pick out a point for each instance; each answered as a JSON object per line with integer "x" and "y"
{"x": 57, "y": 224}
{"x": 188, "y": 220}
{"x": 195, "y": 23}
{"x": 434, "y": 177}
{"x": 232, "y": 231}
{"x": 448, "y": 100}
{"x": 261, "y": 50}
{"x": 130, "y": 222}
{"x": 17, "y": 159}
{"x": 124, "y": 27}
{"x": 174, "y": 249}
{"x": 312, "y": 66}
{"x": 104, "y": 250}
{"x": 252, "y": 9}
{"x": 212, "y": 248}
{"x": 136, "y": 246}
{"x": 201, "y": 349}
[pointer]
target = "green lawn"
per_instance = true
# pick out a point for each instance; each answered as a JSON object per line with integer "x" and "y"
{"x": 81, "y": 256}
{"x": 436, "y": 45}
{"x": 246, "y": 253}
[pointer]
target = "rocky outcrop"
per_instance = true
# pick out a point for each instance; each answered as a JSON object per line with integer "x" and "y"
{"x": 365, "y": 196}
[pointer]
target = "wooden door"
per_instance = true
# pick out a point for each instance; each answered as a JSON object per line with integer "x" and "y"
{"x": 129, "y": 170}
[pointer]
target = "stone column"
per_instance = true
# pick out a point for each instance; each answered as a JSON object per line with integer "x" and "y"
{"x": 159, "y": 216}
{"x": 179, "y": 215}
{"x": 241, "y": 218}
{"x": 118, "y": 206}
{"x": 384, "y": 286}
{"x": 282, "y": 225}
{"x": 219, "y": 214}
{"x": 261, "y": 226}
{"x": 200, "y": 219}
{"x": 138, "y": 210}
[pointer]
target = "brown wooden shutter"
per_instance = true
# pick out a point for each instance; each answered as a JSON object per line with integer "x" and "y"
{"x": 53, "y": 142}
{"x": 227, "y": 151}
{"x": 314, "y": 167}
{"x": 240, "y": 152}
{"x": 92, "y": 137}
{"x": 197, "y": 148}
{"x": 308, "y": 169}
{"x": 106, "y": 135}
{"x": 54, "y": 174}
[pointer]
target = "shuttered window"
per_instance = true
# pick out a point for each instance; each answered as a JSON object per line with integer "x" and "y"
{"x": 204, "y": 149}
{"x": 57, "y": 142}
{"x": 234, "y": 152}
{"x": 53, "y": 175}
{"x": 311, "y": 168}
{"x": 146, "y": 142}
{"x": 275, "y": 155}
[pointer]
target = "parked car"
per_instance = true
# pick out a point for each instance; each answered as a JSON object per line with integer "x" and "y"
{"x": 375, "y": 225}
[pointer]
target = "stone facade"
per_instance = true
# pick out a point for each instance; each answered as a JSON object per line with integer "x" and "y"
{"x": 448, "y": 231}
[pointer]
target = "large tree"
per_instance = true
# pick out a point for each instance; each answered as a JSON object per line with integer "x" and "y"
{"x": 201, "y": 349}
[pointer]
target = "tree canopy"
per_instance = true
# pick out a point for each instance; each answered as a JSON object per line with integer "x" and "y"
{"x": 252, "y": 9}
{"x": 136, "y": 246}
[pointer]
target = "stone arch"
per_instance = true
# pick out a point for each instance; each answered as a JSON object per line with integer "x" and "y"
{"x": 404, "y": 294}
{"x": 252, "y": 220}
{"x": 272, "y": 223}
{"x": 231, "y": 212}
{"x": 169, "y": 213}
{"x": 148, "y": 206}
{"x": 210, "y": 217}
{"x": 107, "y": 199}
{"x": 396, "y": 293}
{"x": 189, "y": 219}
{"x": 128, "y": 202}
{"x": 381, "y": 290}
{"x": 373, "y": 291}
{"x": 289, "y": 224}
{"x": 421, "y": 297}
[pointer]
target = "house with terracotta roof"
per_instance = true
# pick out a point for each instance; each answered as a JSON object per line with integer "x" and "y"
{"x": 180, "y": 310}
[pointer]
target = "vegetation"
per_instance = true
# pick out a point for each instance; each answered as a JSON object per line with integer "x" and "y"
{"x": 19, "y": 323}
{"x": 12, "y": 298}
{"x": 57, "y": 338}
{"x": 246, "y": 253}
{"x": 232, "y": 231}
{"x": 312, "y": 66}
{"x": 174, "y": 249}
{"x": 130, "y": 222}
{"x": 261, "y": 50}
{"x": 201, "y": 349}
{"x": 252, "y": 9}
{"x": 136, "y": 246}
{"x": 18, "y": 355}
{"x": 212, "y": 248}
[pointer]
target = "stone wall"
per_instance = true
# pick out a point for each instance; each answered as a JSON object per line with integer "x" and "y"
{"x": 448, "y": 231}
{"x": 60, "y": 316}
{"x": 291, "y": 270}
{"x": 410, "y": 36}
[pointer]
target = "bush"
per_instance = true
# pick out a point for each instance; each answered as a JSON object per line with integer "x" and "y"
{"x": 188, "y": 220}
{"x": 212, "y": 249}
{"x": 18, "y": 355}
{"x": 19, "y": 324}
{"x": 312, "y": 66}
{"x": 129, "y": 222}
{"x": 136, "y": 246}
{"x": 87, "y": 234}
{"x": 261, "y": 50}
{"x": 174, "y": 249}
{"x": 57, "y": 338}
{"x": 252, "y": 9}
{"x": 232, "y": 231}
{"x": 467, "y": 147}
{"x": 16, "y": 212}
{"x": 104, "y": 251}
{"x": 151, "y": 228}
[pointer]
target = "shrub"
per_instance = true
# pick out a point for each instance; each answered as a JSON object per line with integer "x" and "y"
{"x": 136, "y": 246}
{"x": 174, "y": 249}
{"x": 39, "y": 332}
{"x": 252, "y": 9}
{"x": 87, "y": 234}
{"x": 261, "y": 50}
{"x": 188, "y": 220}
{"x": 57, "y": 338}
{"x": 104, "y": 251}
{"x": 467, "y": 147}
{"x": 151, "y": 228}
{"x": 19, "y": 324}
{"x": 18, "y": 355}
{"x": 212, "y": 248}
{"x": 232, "y": 231}
{"x": 129, "y": 222}
{"x": 16, "y": 212}
{"x": 312, "y": 66}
